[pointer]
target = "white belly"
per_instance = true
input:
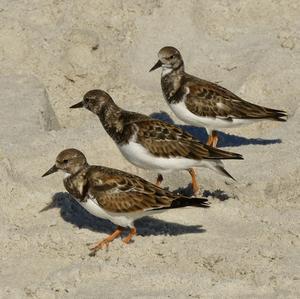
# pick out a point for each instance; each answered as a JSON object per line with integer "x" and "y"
{"x": 210, "y": 123}
{"x": 141, "y": 157}
{"x": 122, "y": 219}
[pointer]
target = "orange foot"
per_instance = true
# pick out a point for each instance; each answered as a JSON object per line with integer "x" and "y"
{"x": 132, "y": 233}
{"x": 105, "y": 242}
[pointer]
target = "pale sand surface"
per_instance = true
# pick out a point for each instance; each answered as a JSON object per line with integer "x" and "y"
{"x": 51, "y": 53}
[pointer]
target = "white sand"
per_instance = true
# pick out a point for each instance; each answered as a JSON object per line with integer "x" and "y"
{"x": 51, "y": 53}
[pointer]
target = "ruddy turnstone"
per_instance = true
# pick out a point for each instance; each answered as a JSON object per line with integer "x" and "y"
{"x": 203, "y": 103}
{"x": 153, "y": 144}
{"x": 114, "y": 194}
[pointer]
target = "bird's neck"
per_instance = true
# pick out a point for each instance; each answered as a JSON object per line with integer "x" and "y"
{"x": 76, "y": 182}
{"x": 111, "y": 119}
{"x": 173, "y": 72}
{"x": 171, "y": 80}
{"x": 76, "y": 170}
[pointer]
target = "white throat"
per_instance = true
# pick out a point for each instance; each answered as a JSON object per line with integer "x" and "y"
{"x": 166, "y": 70}
{"x": 66, "y": 175}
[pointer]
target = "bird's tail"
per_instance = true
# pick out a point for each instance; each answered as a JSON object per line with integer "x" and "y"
{"x": 221, "y": 170}
{"x": 183, "y": 201}
{"x": 217, "y": 166}
{"x": 216, "y": 153}
{"x": 278, "y": 115}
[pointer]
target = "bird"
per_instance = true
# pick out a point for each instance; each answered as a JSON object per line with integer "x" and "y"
{"x": 206, "y": 104}
{"x": 153, "y": 144}
{"x": 115, "y": 195}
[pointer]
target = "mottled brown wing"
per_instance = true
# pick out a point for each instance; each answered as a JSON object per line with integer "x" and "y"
{"x": 120, "y": 193}
{"x": 211, "y": 100}
{"x": 165, "y": 140}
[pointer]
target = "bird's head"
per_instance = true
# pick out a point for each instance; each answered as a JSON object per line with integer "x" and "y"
{"x": 94, "y": 100}
{"x": 69, "y": 161}
{"x": 168, "y": 58}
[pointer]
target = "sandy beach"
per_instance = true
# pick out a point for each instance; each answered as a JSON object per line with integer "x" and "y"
{"x": 246, "y": 245}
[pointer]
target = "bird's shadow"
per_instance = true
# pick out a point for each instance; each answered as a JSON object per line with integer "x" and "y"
{"x": 216, "y": 194}
{"x": 224, "y": 139}
{"x": 73, "y": 213}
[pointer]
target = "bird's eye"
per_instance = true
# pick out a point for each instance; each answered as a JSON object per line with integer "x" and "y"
{"x": 171, "y": 57}
{"x": 65, "y": 161}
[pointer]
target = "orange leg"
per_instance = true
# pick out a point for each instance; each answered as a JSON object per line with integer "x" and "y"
{"x": 213, "y": 139}
{"x": 209, "y": 140}
{"x": 196, "y": 188}
{"x": 105, "y": 242}
{"x": 132, "y": 233}
{"x": 159, "y": 180}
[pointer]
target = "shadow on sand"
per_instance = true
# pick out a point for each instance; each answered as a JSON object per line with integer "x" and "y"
{"x": 216, "y": 194}
{"x": 73, "y": 213}
{"x": 224, "y": 139}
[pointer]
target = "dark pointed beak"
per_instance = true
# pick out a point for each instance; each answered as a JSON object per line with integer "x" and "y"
{"x": 51, "y": 170}
{"x": 78, "y": 105}
{"x": 156, "y": 66}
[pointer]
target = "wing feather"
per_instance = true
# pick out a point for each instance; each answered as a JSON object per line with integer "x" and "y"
{"x": 209, "y": 99}
{"x": 117, "y": 191}
{"x": 166, "y": 140}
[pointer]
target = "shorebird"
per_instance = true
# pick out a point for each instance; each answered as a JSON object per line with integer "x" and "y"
{"x": 153, "y": 144}
{"x": 115, "y": 195}
{"x": 203, "y": 103}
